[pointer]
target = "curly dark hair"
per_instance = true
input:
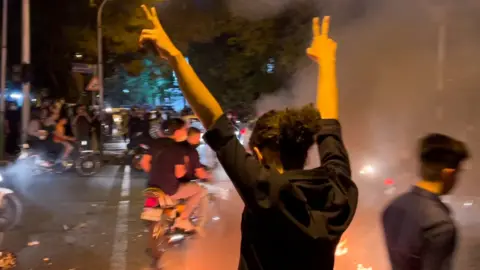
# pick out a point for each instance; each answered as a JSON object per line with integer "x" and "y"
{"x": 289, "y": 132}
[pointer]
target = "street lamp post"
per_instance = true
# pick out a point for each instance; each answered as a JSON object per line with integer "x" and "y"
{"x": 100, "y": 69}
{"x": 100, "y": 52}
{"x": 3, "y": 79}
{"x": 25, "y": 60}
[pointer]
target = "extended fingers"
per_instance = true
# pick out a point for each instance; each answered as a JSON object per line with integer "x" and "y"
{"x": 147, "y": 12}
{"x": 325, "y": 26}
{"x": 316, "y": 27}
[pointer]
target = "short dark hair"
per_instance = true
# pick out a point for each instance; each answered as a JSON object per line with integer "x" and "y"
{"x": 289, "y": 132}
{"x": 438, "y": 152}
{"x": 193, "y": 131}
{"x": 171, "y": 125}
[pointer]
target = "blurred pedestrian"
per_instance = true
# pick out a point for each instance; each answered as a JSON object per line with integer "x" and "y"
{"x": 419, "y": 230}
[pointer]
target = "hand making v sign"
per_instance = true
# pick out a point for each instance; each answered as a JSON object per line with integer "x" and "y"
{"x": 157, "y": 35}
{"x": 323, "y": 49}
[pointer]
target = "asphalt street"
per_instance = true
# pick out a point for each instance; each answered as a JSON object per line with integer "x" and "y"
{"x": 93, "y": 223}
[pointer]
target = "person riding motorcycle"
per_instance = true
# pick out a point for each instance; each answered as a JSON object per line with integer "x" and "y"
{"x": 195, "y": 169}
{"x": 166, "y": 164}
{"x": 61, "y": 137}
{"x": 50, "y": 126}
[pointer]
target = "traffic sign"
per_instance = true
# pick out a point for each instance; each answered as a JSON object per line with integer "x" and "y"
{"x": 83, "y": 68}
{"x": 93, "y": 85}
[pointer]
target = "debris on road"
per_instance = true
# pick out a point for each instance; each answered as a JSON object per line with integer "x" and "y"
{"x": 70, "y": 239}
{"x": 33, "y": 243}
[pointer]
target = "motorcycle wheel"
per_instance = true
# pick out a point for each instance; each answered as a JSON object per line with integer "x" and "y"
{"x": 11, "y": 212}
{"x": 159, "y": 240}
{"x": 202, "y": 214}
{"x": 87, "y": 165}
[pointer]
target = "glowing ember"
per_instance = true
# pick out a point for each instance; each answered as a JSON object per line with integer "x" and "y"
{"x": 342, "y": 248}
{"x": 361, "y": 267}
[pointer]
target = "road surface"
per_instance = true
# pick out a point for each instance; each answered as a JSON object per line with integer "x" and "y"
{"x": 93, "y": 223}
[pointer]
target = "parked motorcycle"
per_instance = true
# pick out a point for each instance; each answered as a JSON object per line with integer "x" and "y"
{"x": 85, "y": 162}
{"x": 160, "y": 212}
{"x": 11, "y": 208}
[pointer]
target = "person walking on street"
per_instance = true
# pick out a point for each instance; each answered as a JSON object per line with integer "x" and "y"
{"x": 419, "y": 231}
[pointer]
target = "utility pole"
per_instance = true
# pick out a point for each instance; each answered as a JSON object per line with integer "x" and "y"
{"x": 100, "y": 70}
{"x": 441, "y": 53}
{"x": 25, "y": 60}
{"x": 3, "y": 78}
{"x": 100, "y": 52}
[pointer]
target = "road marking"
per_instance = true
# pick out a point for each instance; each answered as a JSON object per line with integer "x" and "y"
{"x": 118, "y": 260}
{"x": 126, "y": 182}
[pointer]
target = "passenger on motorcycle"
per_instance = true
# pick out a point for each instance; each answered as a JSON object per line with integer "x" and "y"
{"x": 50, "y": 126}
{"x": 195, "y": 169}
{"x": 166, "y": 164}
{"x": 60, "y": 137}
{"x": 36, "y": 133}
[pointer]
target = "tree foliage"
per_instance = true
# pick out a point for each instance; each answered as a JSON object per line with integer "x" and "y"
{"x": 230, "y": 53}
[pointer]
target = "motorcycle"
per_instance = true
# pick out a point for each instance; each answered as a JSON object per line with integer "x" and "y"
{"x": 11, "y": 208}
{"x": 136, "y": 150}
{"x": 85, "y": 162}
{"x": 160, "y": 212}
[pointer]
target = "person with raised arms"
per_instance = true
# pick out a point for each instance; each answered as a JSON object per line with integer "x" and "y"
{"x": 293, "y": 218}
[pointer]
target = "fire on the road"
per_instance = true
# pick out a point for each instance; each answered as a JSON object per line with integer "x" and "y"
{"x": 342, "y": 249}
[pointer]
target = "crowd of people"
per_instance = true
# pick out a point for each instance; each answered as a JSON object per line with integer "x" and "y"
{"x": 294, "y": 218}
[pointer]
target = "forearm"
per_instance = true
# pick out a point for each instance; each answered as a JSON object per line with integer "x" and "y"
{"x": 327, "y": 92}
{"x": 198, "y": 96}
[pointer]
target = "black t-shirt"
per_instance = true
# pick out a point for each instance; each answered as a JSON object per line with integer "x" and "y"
{"x": 292, "y": 220}
{"x": 193, "y": 161}
{"x": 166, "y": 154}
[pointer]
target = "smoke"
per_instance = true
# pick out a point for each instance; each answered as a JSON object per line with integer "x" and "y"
{"x": 394, "y": 86}
{"x": 258, "y": 9}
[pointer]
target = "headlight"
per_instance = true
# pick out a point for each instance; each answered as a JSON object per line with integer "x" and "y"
{"x": 23, "y": 155}
{"x": 84, "y": 143}
{"x": 367, "y": 170}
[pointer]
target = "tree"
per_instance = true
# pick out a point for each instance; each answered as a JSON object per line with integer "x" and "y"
{"x": 231, "y": 54}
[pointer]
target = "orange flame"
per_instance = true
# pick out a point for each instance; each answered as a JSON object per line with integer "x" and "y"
{"x": 342, "y": 248}
{"x": 361, "y": 267}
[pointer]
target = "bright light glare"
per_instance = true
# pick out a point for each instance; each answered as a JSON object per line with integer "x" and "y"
{"x": 361, "y": 267}
{"x": 126, "y": 91}
{"x": 16, "y": 96}
{"x": 1, "y": 178}
{"x": 108, "y": 109}
{"x": 342, "y": 248}
{"x": 368, "y": 169}
{"x": 84, "y": 143}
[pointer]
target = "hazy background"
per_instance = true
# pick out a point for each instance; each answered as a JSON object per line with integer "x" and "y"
{"x": 388, "y": 72}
